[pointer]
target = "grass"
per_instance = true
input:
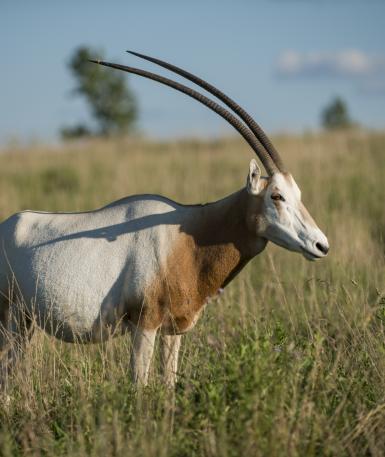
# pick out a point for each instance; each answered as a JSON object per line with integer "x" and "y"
{"x": 289, "y": 361}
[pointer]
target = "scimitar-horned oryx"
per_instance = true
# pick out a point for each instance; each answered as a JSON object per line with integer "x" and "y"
{"x": 146, "y": 263}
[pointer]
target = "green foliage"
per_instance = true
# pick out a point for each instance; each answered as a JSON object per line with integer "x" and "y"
{"x": 63, "y": 179}
{"x": 77, "y": 131}
{"x": 336, "y": 115}
{"x": 111, "y": 101}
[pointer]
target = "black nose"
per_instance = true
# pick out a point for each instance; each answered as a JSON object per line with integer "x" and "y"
{"x": 324, "y": 249}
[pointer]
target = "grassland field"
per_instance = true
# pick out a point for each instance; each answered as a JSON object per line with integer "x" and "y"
{"x": 289, "y": 361}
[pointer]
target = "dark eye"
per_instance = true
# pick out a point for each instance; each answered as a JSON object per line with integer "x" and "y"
{"x": 277, "y": 197}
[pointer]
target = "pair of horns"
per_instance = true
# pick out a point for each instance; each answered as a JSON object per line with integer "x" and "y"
{"x": 250, "y": 130}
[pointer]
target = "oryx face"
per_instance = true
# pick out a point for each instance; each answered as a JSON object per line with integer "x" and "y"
{"x": 283, "y": 218}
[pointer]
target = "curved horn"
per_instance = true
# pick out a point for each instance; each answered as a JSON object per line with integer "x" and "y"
{"x": 249, "y": 121}
{"x": 266, "y": 160}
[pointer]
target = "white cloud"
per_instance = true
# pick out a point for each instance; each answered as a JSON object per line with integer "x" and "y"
{"x": 350, "y": 63}
{"x": 365, "y": 70}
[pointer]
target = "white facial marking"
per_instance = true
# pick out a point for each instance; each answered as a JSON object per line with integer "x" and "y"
{"x": 288, "y": 222}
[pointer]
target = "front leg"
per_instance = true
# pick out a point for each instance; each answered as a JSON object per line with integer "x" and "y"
{"x": 169, "y": 358}
{"x": 142, "y": 348}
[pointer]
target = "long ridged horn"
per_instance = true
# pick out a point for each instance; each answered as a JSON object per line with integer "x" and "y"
{"x": 266, "y": 160}
{"x": 249, "y": 121}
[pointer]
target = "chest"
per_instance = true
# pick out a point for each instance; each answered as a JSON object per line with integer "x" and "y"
{"x": 188, "y": 281}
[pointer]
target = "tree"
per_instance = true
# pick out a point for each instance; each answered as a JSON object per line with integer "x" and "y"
{"x": 111, "y": 101}
{"x": 336, "y": 115}
{"x": 76, "y": 131}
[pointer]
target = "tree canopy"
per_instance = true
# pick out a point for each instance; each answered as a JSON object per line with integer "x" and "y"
{"x": 111, "y": 101}
{"x": 336, "y": 115}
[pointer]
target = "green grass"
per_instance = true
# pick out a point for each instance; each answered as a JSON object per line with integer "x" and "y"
{"x": 290, "y": 361}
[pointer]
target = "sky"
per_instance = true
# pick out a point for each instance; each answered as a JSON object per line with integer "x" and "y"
{"x": 282, "y": 60}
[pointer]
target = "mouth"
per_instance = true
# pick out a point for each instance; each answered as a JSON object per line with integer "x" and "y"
{"x": 309, "y": 255}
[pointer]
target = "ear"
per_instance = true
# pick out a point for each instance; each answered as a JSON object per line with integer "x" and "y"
{"x": 253, "y": 179}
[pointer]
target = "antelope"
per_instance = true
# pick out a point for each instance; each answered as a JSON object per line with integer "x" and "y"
{"x": 145, "y": 263}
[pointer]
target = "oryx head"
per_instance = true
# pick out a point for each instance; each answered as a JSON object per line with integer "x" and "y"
{"x": 282, "y": 218}
{"x": 276, "y": 212}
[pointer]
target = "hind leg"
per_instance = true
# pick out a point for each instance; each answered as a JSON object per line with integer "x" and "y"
{"x": 4, "y": 337}
{"x": 15, "y": 332}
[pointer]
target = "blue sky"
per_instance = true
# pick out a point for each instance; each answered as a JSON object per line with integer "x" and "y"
{"x": 283, "y": 60}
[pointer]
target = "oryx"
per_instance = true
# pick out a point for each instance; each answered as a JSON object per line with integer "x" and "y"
{"x": 146, "y": 263}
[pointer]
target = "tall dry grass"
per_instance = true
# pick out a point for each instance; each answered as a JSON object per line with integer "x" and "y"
{"x": 289, "y": 361}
